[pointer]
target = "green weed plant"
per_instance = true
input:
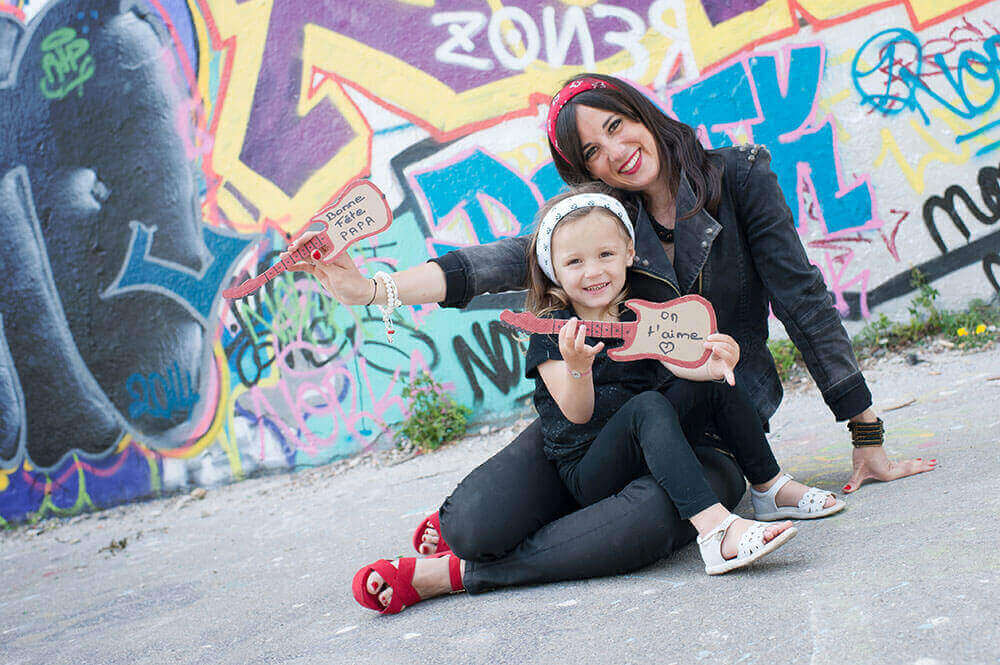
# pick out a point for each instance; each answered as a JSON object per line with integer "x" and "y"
{"x": 434, "y": 418}
{"x": 974, "y": 327}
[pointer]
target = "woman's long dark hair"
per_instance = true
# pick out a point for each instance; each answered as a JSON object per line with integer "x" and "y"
{"x": 678, "y": 144}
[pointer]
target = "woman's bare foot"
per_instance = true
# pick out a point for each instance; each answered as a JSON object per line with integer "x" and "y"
{"x": 430, "y": 578}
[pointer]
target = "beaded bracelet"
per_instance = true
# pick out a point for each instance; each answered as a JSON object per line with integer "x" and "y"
{"x": 391, "y": 302}
{"x": 866, "y": 434}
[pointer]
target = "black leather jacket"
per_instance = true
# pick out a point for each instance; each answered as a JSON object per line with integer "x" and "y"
{"x": 746, "y": 256}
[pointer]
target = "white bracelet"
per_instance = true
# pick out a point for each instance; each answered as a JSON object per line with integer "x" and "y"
{"x": 391, "y": 301}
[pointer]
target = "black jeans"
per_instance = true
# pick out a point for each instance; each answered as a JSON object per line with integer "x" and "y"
{"x": 514, "y": 522}
{"x": 650, "y": 434}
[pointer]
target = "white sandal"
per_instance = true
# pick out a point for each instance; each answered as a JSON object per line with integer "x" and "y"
{"x": 750, "y": 548}
{"x": 766, "y": 508}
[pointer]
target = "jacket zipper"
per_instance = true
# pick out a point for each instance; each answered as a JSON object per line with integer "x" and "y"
{"x": 666, "y": 281}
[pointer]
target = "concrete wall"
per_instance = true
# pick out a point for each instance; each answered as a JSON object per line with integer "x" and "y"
{"x": 153, "y": 152}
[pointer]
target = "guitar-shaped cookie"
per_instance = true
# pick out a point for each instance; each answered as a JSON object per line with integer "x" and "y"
{"x": 672, "y": 331}
{"x": 361, "y": 211}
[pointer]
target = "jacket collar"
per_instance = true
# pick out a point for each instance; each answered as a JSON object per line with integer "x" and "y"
{"x": 693, "y": 238}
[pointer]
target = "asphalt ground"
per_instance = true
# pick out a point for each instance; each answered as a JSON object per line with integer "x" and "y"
{"x": 260, "y": 571}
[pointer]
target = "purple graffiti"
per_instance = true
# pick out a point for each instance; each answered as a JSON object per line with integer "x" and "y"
{"x": 459, "y": 47}
{"x": 723, "y": 10}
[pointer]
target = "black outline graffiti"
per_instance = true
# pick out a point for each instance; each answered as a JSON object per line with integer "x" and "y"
{"x": 985, "y": 250}
{"x": 499, "y": 374}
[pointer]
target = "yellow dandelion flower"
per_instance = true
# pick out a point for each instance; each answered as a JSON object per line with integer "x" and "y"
{"x": 962, "y": 332}
{"x": 981, "y": 328}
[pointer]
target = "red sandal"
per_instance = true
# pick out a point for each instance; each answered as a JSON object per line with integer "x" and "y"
{"x": 433, "y": 521}
{"x": 401, "y": 581}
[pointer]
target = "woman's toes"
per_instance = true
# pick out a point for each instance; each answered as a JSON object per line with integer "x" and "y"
{"x": 385, "y": 597}
{"x": 429, "y": 541}
{"x": 374, "y": 583}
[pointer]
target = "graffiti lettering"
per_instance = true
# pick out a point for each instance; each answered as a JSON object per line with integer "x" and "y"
{"x": 990, "y": 260}
{"x": 989, "y": 187}
{"x": 195, "y": 290}
{"x": 803, "y": 146}
{"x": 516, "y": 41}
{"x": 66, "y": 64}
{"x": 892, "y": 84}
{"x": 162, "y": 397}
{"x": 497, "y": 371}
{"x": 463, "y": 26}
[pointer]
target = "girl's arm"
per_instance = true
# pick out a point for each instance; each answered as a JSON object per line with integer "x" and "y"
{"x": 575, "y": 396}
{"x": 719, "y": 366}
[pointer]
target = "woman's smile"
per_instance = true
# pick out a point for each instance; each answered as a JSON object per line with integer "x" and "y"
{"x": 632, "y": 165}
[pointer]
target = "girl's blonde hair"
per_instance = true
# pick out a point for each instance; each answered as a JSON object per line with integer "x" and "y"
{"x": 544, "y": 296}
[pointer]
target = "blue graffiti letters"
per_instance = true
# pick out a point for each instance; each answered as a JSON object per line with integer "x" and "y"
{"x": 161, "y": 396}
{"x": 893, "y": 83}
{"x": 196, "y": 291}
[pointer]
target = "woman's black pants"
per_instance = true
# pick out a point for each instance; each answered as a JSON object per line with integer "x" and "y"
{"x": 514, "y": 522}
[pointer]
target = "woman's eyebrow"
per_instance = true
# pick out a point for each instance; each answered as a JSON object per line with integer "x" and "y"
{"x": 604, "y": 125}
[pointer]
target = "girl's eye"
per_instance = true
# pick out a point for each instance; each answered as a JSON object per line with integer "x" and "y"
{"x": 614, "y": 125}
{"x": 588, "y": 153}
{"x": 607, "y": 253}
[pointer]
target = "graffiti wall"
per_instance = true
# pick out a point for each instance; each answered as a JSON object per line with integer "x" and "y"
{"x": 155, "y": 151}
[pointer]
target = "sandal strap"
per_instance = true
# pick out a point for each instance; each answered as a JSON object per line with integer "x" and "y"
{"x": 455, "y": 573}
{"x": 768, "y": 501}
{"x": 399, "y": 580}
{"x": 814, "y": 498}
{"x": 752, "y": 539}
{"x": 719, "y": 532}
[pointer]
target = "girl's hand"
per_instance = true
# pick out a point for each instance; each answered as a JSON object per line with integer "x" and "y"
{"x": 339, "y": 277}
{"x": 578, "y": 355}
{"x": 725, "y": 355}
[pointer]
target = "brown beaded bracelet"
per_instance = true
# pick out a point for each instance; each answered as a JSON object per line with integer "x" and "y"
{"x": 867, "y": 434}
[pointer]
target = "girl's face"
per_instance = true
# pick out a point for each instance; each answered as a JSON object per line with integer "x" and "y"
{"x": 617, "y": 150}
{"x": 589, "y": 257}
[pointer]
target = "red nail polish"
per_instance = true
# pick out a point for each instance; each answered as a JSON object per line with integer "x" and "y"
{"x": 316, "y": 254}
{"x": 847, "y": 488}
{"x": 920, "y": 459}
{"x": 933, "y": 460}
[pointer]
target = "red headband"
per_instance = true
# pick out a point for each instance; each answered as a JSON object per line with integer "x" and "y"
{"x": 560, "y": 100}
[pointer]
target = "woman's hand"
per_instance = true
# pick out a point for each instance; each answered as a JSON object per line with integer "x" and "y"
{"x": 725, "y": 355}
{"x": 871, "y": 462}
{"x": 578, "y": 355}
{"x": 340, "y": 276}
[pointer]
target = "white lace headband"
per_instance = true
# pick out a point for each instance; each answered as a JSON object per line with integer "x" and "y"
{"x": 543, "y": 248}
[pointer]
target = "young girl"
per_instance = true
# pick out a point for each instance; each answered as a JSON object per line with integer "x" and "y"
{"x": 607, "y": 423}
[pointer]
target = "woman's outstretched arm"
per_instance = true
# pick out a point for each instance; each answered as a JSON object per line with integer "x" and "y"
{"x": 452, "y": 280}
{"x": 421, "y": 284}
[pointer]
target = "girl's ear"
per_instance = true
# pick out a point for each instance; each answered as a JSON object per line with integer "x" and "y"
{"x": 630, "y": 254}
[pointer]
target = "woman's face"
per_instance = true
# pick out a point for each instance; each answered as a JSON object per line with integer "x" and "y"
{"x": 618, "y": 150}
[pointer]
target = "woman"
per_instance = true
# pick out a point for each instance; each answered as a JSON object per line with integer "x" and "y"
{"x": 713, "y": 223}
